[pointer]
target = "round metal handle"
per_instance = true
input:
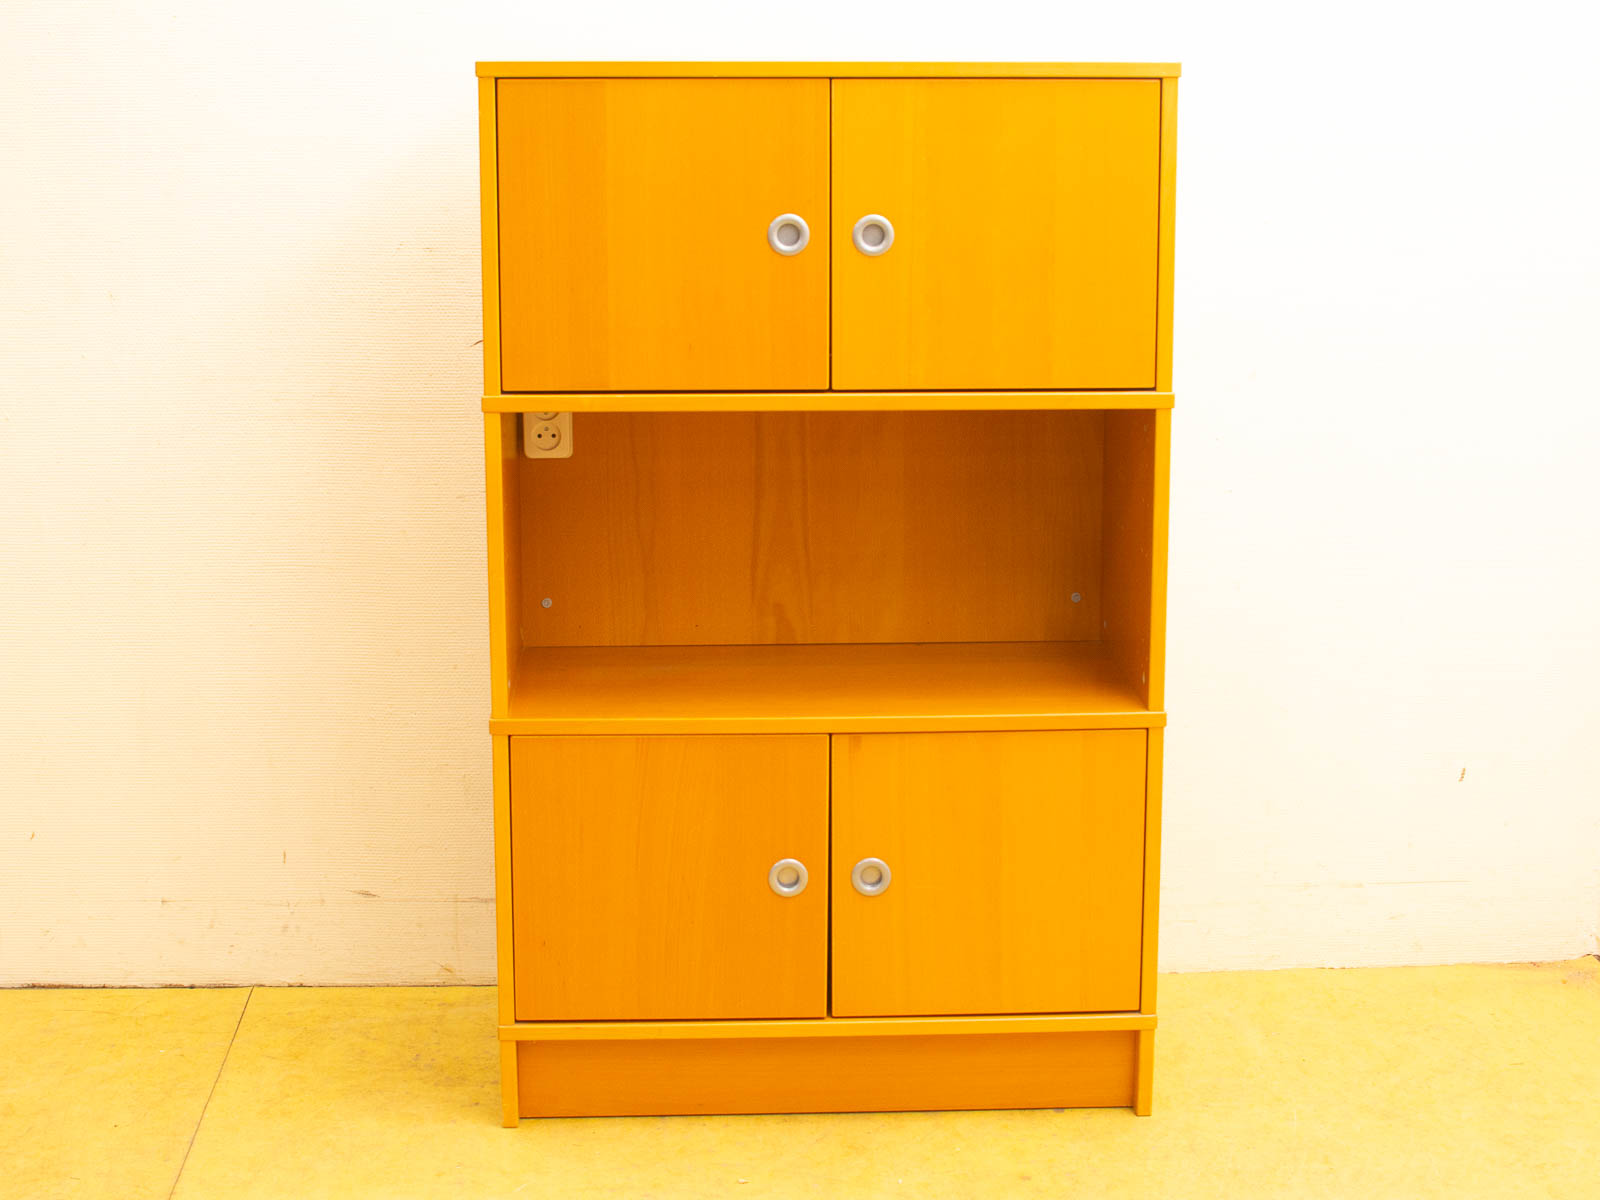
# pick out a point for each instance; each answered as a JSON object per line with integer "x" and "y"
{"x": 873, "y": 235}
{"x": 788, "y": 234}
{"x": 788, "y": 877}
{"x": 871, "y": 876}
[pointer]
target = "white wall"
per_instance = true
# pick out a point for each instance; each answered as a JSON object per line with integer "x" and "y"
{"x": 242, "y": 661}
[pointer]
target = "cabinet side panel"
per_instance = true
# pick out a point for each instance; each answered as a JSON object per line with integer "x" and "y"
{"x": 510, "y": 1085}
{"x": 1134, "y": 565}
{"x": 503, "y": 502}
{"x": 1147, "y": 1072}
{"x": 489, "y": 213}
{"x": 1160, "y": 515}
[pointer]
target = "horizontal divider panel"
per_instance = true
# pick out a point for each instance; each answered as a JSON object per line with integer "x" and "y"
{"x": 923, "y": 723}
{"x": 666, "y": 402}
{"x": 604, "y": 1031}
{"x": 824, "y": 70}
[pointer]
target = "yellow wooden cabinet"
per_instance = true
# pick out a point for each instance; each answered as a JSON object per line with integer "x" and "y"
{"x": 827, "y": 417}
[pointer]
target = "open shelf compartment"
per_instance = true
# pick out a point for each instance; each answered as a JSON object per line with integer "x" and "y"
{"x": 830, "y": 571}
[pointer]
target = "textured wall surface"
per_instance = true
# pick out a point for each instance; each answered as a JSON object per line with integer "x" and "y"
{"x": 242, "y": 653}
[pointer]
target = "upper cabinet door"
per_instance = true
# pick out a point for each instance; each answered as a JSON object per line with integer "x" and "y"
{"x": 1024, "y": 233}
{"x": 634, "y": 234}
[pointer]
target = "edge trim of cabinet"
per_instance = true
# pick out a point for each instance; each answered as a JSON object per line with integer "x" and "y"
{"x": 598, "y": 1031}
{"x": 522, "y": 402}
{"x": 826, "y": 70}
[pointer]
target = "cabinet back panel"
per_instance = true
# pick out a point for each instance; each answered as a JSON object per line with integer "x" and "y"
{"x": 747, "y": 528}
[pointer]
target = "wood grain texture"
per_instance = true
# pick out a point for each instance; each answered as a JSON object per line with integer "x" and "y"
{"x": 822, "y": 688}
{"x": 1016, "y": 866}
{"x": 707, "y": 529}
{"x": 618, "y": 1078}
{"x": 1025, "y": 220}
{"x": 633, "y": 234}
{"x": 639, "y": 878}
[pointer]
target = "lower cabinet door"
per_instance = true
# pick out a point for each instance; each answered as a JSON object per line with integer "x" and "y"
{"x": 987, "y": 872}
{"x": 640, "y": 877}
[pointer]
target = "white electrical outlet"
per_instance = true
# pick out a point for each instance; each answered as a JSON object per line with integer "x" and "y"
{"x": 547, "y": 435}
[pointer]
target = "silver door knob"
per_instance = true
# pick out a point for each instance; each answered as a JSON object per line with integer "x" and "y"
{"x": 788, "y": 234}
{"x": 873, "y": 235}
{"x": 788, "y": 877}
{"x": 871, "y": 876}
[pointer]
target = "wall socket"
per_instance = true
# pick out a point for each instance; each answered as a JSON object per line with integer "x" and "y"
{"x": 547, "y": 435}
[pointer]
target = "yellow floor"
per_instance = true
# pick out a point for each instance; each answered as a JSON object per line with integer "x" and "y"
{"x": 1407, "y": 1082}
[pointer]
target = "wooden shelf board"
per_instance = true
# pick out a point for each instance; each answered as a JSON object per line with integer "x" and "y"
{"x": 821, "y": 689}
{"x": 606, "y": 1031}
{"x": 520, "y": 402}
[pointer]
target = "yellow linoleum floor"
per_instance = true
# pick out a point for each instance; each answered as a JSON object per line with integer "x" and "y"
{"x": 1472, "y": 1081}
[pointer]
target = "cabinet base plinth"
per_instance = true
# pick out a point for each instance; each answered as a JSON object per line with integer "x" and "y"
{"x": 857, "y": 1074}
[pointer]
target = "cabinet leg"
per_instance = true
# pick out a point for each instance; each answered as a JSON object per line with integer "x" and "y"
{"x": 1145, "y": 1080}
{"x": 510, "y": 1109}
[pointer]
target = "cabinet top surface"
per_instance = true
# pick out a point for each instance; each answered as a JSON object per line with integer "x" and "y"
{"x": 827, "y": 70}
